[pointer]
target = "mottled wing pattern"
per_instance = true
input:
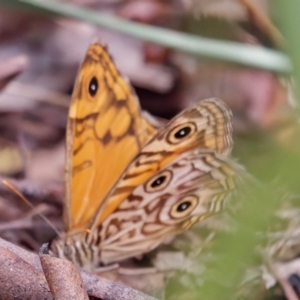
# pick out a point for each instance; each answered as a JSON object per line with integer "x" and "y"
{"x": 205, "y": 126}
{"x": 105, "y": 132}
{"x": 133, "y": 180}
{"x": 194, "y": 186}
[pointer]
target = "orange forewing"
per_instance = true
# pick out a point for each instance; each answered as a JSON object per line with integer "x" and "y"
{"x": 105, "y": 132}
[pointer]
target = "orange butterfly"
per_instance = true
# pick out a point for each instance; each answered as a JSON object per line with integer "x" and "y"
{"x": 132, "y": 181}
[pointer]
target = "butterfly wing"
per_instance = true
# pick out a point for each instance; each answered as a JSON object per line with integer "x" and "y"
{"x": 205, "y": 126}
{"x": 105, "y": 132}
{"x": 197, "y": 185}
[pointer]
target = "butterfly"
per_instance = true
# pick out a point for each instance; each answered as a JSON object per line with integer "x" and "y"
{"x": 131, "y": 180}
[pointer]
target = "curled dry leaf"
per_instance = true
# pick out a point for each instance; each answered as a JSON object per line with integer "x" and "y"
{"x": 19, "y": 264}
{"x": 19, "y": 279}
{"x": 62, "y": 276}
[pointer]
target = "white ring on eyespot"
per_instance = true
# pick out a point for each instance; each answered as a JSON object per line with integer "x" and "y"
{"x": 174, "y": 141}
{"x": 193, "y": 202}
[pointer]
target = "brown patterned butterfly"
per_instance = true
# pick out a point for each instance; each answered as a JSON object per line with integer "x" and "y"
{"x": 132, "y": 181}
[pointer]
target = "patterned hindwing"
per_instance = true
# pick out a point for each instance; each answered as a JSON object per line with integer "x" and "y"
{"x": 193, "y": 187}
{"x": 105, "y": 132}
{"x": 205, "y": 126}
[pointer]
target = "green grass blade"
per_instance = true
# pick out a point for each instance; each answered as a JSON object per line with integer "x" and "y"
{"x": 234, "y": 52}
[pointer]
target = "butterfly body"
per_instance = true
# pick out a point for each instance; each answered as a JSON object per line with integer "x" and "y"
{"x": 131, "y": 182}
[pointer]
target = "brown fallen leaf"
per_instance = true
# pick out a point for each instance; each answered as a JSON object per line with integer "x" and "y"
{"x": 14, "y": 259}
{"x": 19, "y": 279}
{"x": 62, "y": 276}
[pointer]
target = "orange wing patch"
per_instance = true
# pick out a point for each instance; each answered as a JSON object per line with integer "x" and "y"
{"x": 105, "y": 132}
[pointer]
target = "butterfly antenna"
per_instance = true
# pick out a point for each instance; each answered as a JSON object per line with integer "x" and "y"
{"x": 18, "y": 193}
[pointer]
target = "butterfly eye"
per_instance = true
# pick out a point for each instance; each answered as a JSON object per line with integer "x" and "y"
{"x": 184, "y": 207}
{"x": 93, "y": 86}
{"x": 181, "y": 132}
{"x": 158, "y": 182}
